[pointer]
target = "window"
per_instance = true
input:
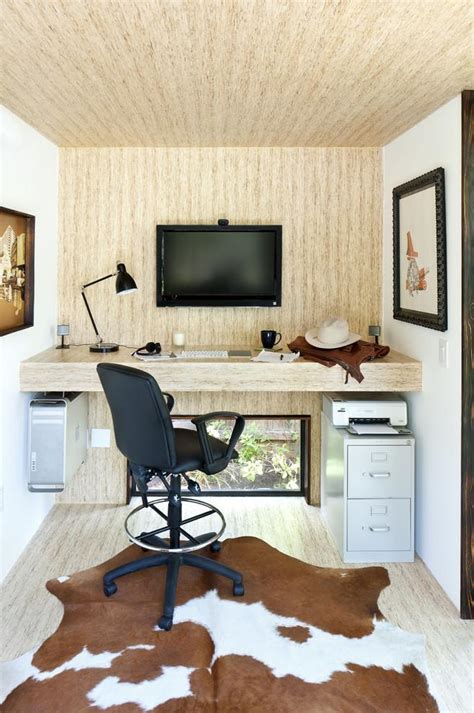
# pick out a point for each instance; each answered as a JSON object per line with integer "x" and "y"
{"x": 273, "y": 457}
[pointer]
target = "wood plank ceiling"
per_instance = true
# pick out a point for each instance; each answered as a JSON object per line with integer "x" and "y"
{"x": 232, "y": 72}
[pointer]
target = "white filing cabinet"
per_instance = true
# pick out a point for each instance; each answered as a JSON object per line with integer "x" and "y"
{"x": 368, "y": 494}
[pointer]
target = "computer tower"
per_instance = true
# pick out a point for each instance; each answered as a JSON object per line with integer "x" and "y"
{"x": 57, "y": 440}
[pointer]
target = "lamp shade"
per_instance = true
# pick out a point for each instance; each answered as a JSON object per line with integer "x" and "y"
{"x": 124, "y": 283}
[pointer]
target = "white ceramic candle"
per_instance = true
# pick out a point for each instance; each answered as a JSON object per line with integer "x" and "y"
{"x": 178, "y": 339}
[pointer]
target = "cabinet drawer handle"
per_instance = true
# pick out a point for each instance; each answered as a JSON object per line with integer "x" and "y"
{"x": 378, "y": 475}
{"x": 379, "y": 529}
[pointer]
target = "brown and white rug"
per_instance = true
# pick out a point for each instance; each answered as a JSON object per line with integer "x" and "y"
{"x": 303, "y": 638}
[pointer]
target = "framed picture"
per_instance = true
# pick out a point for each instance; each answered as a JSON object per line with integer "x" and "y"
{"x": 419, "y": 252}
{"x": 17, "y": 235}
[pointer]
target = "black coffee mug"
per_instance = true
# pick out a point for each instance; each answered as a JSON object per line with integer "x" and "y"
{"x": 269, "y": 338}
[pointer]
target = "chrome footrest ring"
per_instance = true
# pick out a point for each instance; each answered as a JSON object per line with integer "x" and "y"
{"x": 175, "y": 550}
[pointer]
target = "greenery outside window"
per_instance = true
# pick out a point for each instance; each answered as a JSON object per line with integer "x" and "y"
{"x": 272, "y": 458}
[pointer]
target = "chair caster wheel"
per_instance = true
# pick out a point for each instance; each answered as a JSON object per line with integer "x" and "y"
{"x": 238, "y": 590}
{"x": 110, "y": 589}
{"x": 165, "y": 622}
{"x": 215, "y": 547}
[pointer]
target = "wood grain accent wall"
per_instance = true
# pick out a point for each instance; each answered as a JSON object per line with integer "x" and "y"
{"x": 329, "y": 202}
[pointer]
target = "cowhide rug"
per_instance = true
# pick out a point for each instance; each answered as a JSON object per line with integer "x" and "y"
{"x": 303, "y": 638}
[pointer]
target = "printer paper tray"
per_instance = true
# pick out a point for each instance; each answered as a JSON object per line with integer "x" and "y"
{"x": 373, "y": 429}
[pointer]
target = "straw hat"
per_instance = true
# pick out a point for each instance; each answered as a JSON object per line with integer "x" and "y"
{"x": 331, "y": 334}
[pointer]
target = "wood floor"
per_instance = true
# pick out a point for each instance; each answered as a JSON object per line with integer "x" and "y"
{"x": 75, "y": 537}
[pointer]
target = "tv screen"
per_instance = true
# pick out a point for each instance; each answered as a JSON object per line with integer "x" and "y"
{"x": 207, "y": 266}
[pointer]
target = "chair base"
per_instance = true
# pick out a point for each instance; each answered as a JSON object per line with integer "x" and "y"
{"x": 173, "y": 552}
{"x": 173, "y": 563}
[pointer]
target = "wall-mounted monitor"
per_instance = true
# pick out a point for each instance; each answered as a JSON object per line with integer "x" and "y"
{"x": 218, "y": 265}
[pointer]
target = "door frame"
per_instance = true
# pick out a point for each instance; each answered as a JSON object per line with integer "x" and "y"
{"x": 467, "y": 416}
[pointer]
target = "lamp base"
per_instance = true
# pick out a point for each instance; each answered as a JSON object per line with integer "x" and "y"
{"x": 104, "y": 348}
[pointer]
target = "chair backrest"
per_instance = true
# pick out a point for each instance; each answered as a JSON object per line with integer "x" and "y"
{"x": 142, "y": 423}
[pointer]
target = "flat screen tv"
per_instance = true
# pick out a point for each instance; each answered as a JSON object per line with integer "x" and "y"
{"x": 218, "y": 266}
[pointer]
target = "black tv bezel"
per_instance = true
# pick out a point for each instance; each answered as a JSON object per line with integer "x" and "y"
{"x": 273, "y": 301}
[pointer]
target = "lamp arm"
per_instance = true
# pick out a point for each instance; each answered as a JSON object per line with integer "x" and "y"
{"x": 99, "y": 338}
{"x": 88, "y": 284}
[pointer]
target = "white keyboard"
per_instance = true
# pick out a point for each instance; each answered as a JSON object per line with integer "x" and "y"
{"x": 202, "y": 355}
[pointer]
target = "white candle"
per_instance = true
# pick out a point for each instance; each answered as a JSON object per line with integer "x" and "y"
{"x": 178, "y": 339}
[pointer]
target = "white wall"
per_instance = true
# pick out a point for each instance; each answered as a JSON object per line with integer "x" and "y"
{"x": 435, "y": 414}
{"x": 29, "y": 183}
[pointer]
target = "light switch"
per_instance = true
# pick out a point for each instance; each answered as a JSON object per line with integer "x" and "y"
{"x": 443, "y": 353}
{"x": 100, "y": 437}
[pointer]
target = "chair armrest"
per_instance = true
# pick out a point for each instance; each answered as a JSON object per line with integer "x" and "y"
{"x": 169, "y": 400}
{"x": 214, "y": 465}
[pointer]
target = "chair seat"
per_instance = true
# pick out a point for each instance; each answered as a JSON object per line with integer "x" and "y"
{"x": 189, "y": 453}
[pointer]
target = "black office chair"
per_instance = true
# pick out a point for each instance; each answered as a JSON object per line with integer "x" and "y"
{"x": 145, "y": 435}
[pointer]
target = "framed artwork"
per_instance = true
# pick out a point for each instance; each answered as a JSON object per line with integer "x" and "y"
{"x": 17, "y": 235}
{"x": 419, "y": 252}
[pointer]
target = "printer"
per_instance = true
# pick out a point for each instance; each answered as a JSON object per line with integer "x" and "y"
{"x": 344, "y": 410}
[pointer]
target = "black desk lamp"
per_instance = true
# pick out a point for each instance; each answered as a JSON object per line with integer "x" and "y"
{"x": 124, "y": 283}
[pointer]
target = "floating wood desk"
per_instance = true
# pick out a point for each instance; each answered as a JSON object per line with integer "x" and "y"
{"x": 74, "y": 369}
{"x": 200, "y": 386}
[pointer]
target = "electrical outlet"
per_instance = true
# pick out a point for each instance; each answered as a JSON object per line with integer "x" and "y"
{"x": 100, "y": 438}
{"x": 443, "y": 353}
